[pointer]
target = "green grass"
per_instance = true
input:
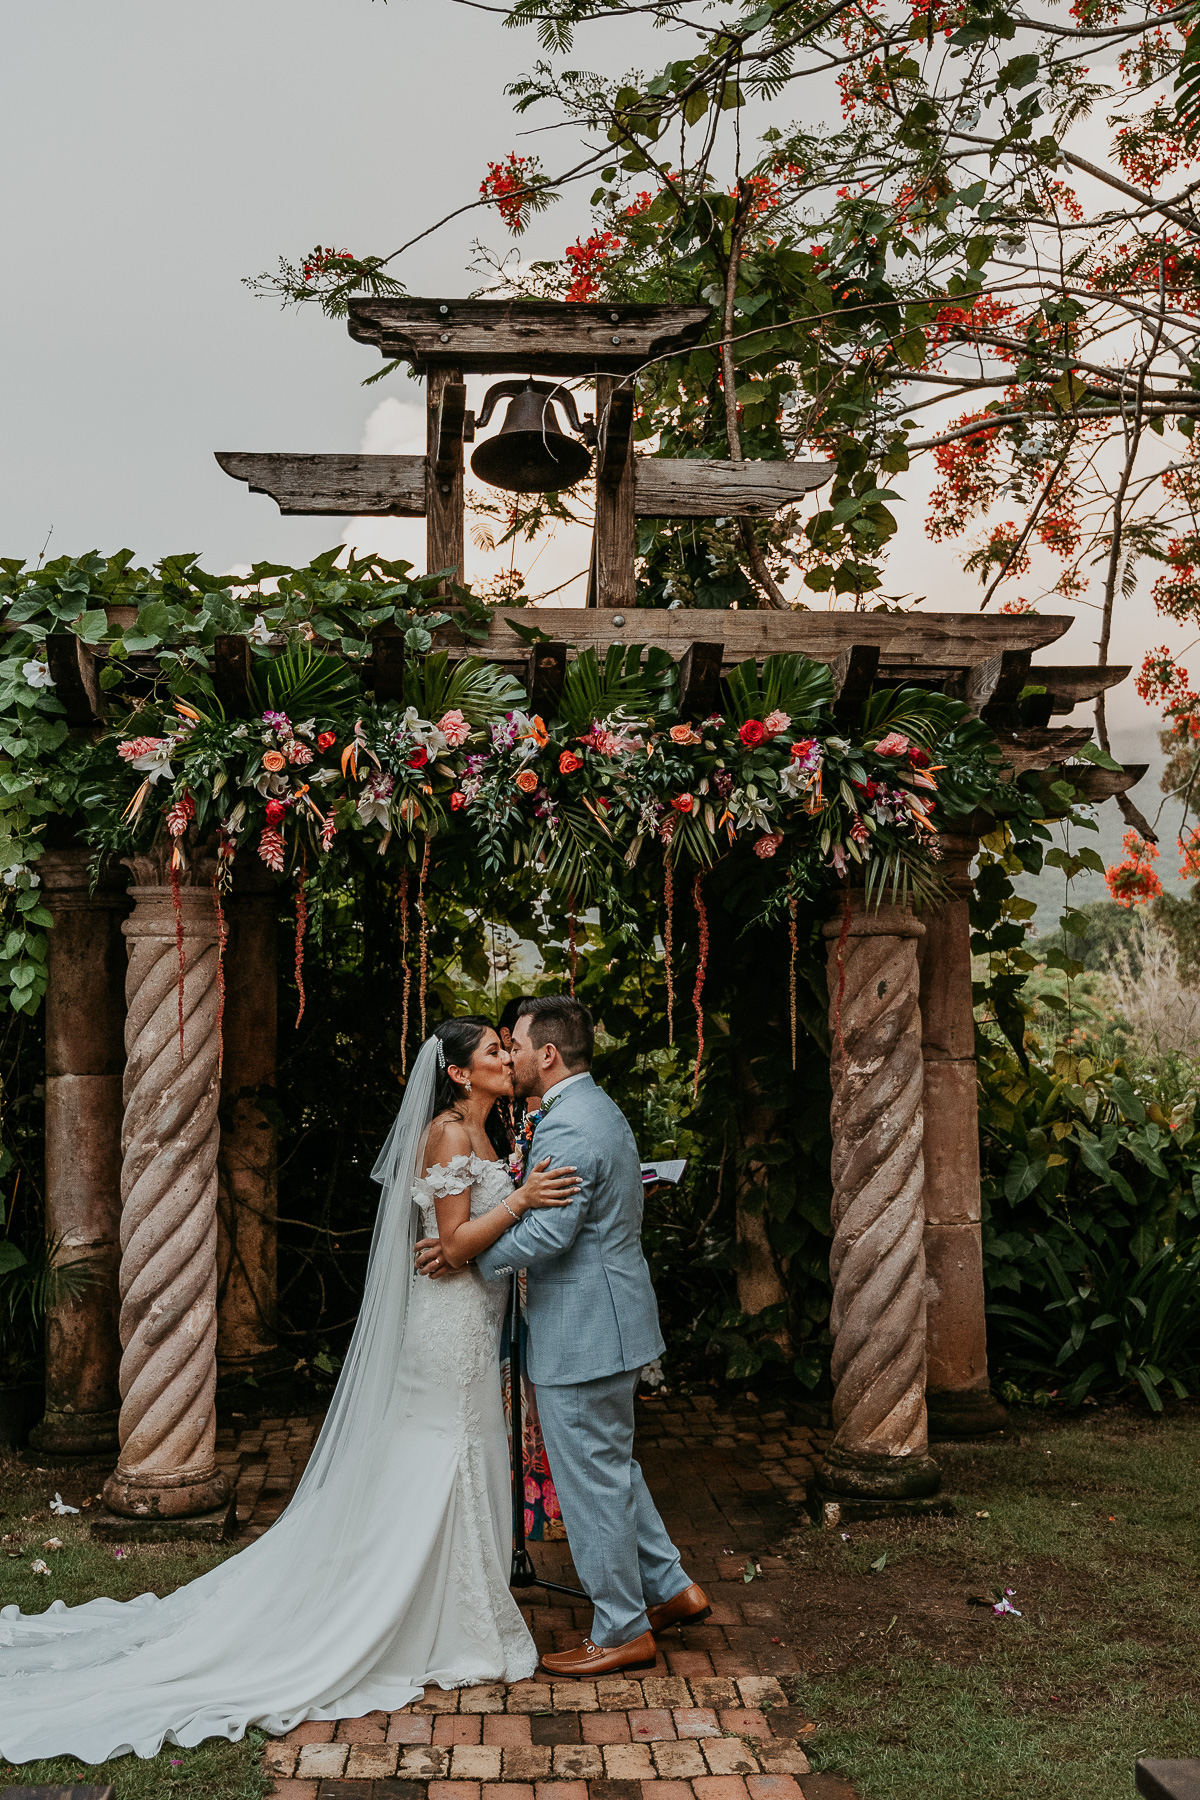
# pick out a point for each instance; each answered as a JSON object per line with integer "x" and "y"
{"x": 917, "y": 1694}
{"x": 81, "y": 1570}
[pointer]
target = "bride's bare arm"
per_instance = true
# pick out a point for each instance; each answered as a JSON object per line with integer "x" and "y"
{"x": 460, "y": 1236}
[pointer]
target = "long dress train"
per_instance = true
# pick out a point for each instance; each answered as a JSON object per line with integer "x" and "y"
{"x": 386, "y": 1573}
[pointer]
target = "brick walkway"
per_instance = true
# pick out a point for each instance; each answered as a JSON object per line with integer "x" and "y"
{"x": 713, "y": 1721}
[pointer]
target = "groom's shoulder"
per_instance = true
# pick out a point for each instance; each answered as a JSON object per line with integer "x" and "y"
{"x": 597, "y": 1111}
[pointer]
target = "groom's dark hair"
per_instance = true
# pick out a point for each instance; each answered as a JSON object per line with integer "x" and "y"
{"x": 567, "y": 1024}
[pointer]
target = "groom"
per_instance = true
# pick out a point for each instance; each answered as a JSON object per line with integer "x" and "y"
{"x": 593, "y": 1325}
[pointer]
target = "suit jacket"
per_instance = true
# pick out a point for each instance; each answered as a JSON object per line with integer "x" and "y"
{"x": 589, "y": 1303}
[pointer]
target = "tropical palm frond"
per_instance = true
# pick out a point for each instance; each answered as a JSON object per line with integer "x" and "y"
{"x": 916, "y": 713}
{"x": 567, "y": 853}
{"x": 792, "y": 684}
{"x": 301, "y": 680}
{"x": 1187, "y": 78}
{"x": 477, "y": 689}
{"x": 892, "y": 879}
{"x": 623, "y": 684}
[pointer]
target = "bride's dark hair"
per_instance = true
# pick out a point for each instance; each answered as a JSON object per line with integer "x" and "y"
{"x": 460, "y": 1039}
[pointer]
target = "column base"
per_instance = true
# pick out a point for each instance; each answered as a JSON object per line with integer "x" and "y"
{"x": 964, "y": 1413}
{"x": 77, "y": 1434}
{"x": 209, "y": 1528}
{"x": 830, "y": 1510}
{"x": 154, "y": 1497}
{"x": 861, "y": 1475}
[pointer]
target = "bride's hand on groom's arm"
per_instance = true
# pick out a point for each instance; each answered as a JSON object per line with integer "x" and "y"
{"x": 544, "y": 1187}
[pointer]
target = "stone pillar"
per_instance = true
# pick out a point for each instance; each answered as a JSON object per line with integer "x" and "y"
{"x": 880, "y": 1447}
{"x": 167, "y": 1468}
{"x": 85, "y": 1056}
{"x": 246, "y": 1165}
{"x": 958, "y": 1397}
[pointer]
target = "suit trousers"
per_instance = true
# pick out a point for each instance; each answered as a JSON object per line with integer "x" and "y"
{"x": 620, "y": 1547}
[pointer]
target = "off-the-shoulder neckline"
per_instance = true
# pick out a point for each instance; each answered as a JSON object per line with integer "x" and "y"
{"x": 456, "y": 1162}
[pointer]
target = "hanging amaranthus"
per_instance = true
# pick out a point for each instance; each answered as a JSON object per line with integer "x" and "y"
{"x": 667, "y": 833}
{"x": 423, "y": 916}
{"x": 840, "y": 959}
{"x": 301, "y": 926}
{"x": 571, "y": 930}
{"x": 222, "y": 874}
{"x": 407, "y": 972}
{"x": 794, "y": 942}
{"x": 179, "y": 817}
{"x": 701, "y": 970}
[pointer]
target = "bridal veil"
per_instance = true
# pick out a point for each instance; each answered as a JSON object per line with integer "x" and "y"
{"x": 304, "y": 1622}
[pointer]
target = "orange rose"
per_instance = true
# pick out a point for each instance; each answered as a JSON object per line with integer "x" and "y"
{"x": 527, "y": 781}
{"x": 683, "y": 734}
{"x": 274, "y": 760}
{"x": 683, "y": 803}
{"x": 568, "y": 762}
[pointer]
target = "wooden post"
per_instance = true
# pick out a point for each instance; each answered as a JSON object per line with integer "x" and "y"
{"x": 958, "y": 1396}
{"x": 445, "y": 505}
{"x": 247, "y": 1174}
{"x": 85, "y": 1057}
{"x": 611, "y": 582}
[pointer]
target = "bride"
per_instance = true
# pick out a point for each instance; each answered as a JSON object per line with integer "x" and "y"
{"x": 388, "y": 1569}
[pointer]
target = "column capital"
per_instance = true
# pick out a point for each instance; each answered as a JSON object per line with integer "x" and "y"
{"x": 884, "y": 920}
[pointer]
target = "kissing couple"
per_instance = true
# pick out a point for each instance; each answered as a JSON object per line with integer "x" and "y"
{"x": 388, "y": 1570}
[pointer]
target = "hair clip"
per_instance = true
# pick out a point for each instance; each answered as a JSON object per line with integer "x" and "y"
{"x": 441, "y": 1052}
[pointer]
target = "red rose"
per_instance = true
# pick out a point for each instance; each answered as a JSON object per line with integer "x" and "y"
{"x": 568, "y": 763}
{"x": 683, "y": 803}
{"x": 276, "y": 810}
{"x": 919, "y": 759}
{"x": 457, "y": 801}
{"x": 326, "y": 739}
{"x": 751, "y": 733}
{"x": 419, "y": 757}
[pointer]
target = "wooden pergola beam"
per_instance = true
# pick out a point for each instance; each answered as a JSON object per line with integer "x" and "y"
{"x": 528, "y": 337}
{"x": 396, "y": 486}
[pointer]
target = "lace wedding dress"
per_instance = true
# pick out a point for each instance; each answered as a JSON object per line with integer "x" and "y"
{"x": 386, "y": 1573}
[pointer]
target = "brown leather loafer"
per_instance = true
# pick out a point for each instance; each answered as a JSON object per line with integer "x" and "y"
{"x": 590, "y": 1660}
{"x": 687, "y": 1608}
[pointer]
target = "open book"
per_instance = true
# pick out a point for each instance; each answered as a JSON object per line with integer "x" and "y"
{"x": 663, "y": 1171}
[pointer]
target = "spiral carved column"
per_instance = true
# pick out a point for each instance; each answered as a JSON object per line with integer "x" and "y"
{"x": 880, "y": 1447}
{"x": 166, "y": 1468}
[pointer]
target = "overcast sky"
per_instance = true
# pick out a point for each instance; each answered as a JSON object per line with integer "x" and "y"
{"x": 154, "y": 153}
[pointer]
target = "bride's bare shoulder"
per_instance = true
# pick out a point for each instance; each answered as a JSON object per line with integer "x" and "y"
{"x": 448, "y": 1138}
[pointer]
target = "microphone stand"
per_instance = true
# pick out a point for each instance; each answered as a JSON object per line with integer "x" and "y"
{"x": 522, "y": 1573}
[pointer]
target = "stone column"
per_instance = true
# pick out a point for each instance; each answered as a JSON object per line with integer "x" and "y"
{"x": 167, "y": 1468}
{"x": 880, "y": 1448}
{"x": 85, "y": 1055}
{"x": 958, "y": 1397}
{"x": 246, "y": 1165}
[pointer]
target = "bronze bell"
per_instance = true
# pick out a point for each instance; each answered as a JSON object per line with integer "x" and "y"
{"x": 531, "y": 454}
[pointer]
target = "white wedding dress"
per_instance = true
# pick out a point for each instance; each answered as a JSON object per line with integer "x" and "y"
{"x": 387, "y": 1572}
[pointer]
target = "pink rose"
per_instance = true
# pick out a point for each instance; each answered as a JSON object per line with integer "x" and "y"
{"x": 454, "y": 728}
{"x": 776, "y": 722}
{"x": 767, "y": 846}
{"x": 299, "y": 754}
{"x": 894, "y": 744}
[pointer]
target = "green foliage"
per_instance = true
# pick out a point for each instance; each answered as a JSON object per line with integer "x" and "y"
{"x": 1092, "y": 1228}
{"x": 30, "y": 1284}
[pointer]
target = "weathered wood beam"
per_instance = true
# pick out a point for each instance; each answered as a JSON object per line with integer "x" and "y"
{"x": 1098, "y": 785}
{"x": 384, "y": 669}
{"x": 668, "y": 488}
{"x": 366, "y": 486}
{"x": 1002, "y": 711}
{"x": 445, "y": 504}
{"x": 854, "y": 671}
{"x": 1069, "y": 684}
{"x": 1041, "y": 747}
{"x": 545, "y": 673}
{"x": 535, "y": 337}
{"x": 452, "y": 431}
{"x": 700, "y": 678}
{"x": 76, "y": 677}
{"x": 909, "y": 643}
{"x": 614, "y": 421}
{"x": 231, "y": 672}
{"x": 612, "y": 582}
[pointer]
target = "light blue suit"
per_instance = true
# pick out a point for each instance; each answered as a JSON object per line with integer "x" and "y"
{"x": 593, "y": 1325}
